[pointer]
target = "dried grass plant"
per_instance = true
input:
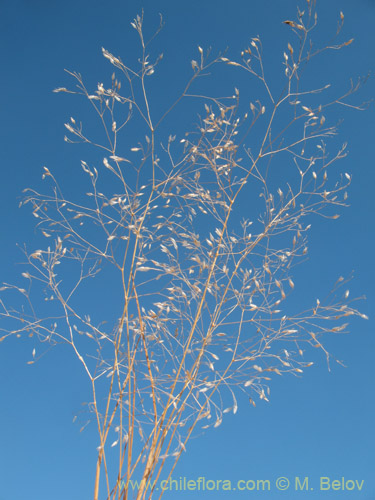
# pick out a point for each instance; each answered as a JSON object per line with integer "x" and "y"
{"x": 193, "y": 302}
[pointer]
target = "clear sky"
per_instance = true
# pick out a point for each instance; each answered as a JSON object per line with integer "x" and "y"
{"x": 319, "y": 425}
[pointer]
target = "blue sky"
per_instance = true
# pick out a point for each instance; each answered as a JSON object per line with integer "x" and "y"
{"x": 318, "y": 425}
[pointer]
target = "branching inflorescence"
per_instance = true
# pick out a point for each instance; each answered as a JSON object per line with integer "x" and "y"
{"x": 193, "y": 307}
